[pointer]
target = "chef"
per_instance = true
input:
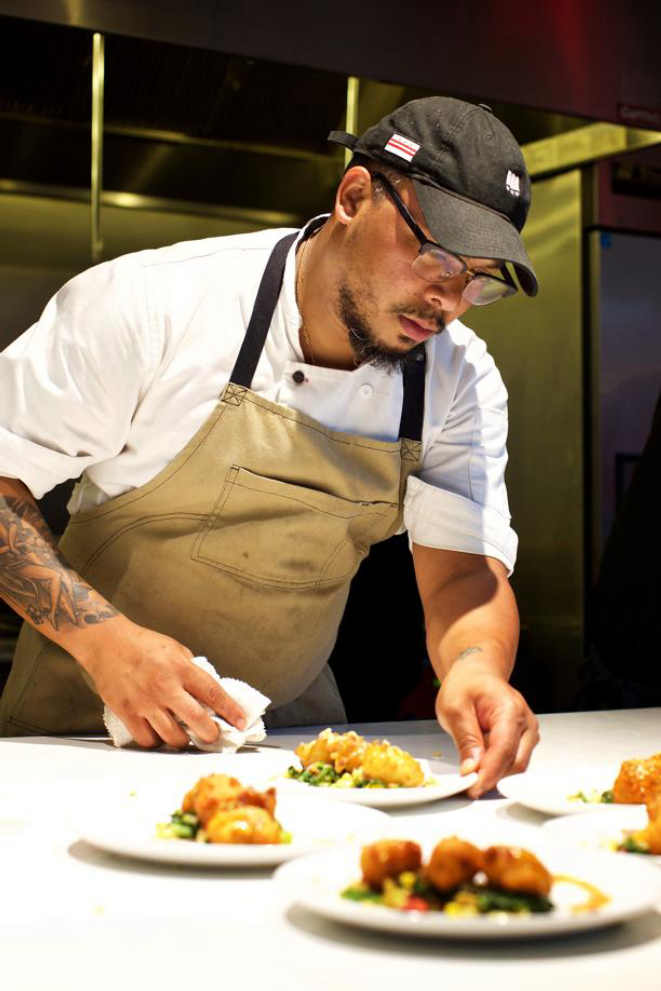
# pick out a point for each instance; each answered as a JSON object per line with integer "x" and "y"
{"x": 247, "y": 415}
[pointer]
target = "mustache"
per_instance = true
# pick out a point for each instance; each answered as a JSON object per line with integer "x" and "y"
{"x": 427, "y": 316}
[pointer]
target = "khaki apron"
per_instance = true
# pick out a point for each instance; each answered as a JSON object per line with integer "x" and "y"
{"x": 243, "y": 548}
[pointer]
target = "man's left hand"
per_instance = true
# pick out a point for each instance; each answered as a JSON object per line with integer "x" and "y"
{"x": 490, "y": 722}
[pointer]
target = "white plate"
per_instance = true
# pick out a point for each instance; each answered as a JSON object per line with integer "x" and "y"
{"x": 602, "y": 832}
{"x": 634, "y": 888}
{"x": 125, "y": 823}
{"x": 550, "y": 791}
{"x": 443, "y": 786}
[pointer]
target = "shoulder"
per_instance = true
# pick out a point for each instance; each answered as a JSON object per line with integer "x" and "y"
{"x": 459, "y": 361}
{"x": 229, "y": 247}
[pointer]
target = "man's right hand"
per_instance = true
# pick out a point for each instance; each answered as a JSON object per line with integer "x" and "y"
{"x": 148, "y": 681}
{"x": 146, "y": 678}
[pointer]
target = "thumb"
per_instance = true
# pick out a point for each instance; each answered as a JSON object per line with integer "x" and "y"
{"x": 466, "y": 732}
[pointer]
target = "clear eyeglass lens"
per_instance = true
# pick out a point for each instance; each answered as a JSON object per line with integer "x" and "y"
{"x": 435, "y": 265}
{"x": 482, "y": 290}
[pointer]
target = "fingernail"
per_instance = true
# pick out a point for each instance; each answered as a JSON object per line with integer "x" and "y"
{"x": 467, "y": 765}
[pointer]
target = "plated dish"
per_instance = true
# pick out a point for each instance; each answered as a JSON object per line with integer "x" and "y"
{"x": 138, "y": 823}
{"x": 586, "y": 891}
{"x": 615, "y": 830}
{"x": 348, "y": 768}
{"x": 587, "y": 789}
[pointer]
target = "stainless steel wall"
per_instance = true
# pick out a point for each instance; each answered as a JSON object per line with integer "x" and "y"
{"x": 538, "y": 347}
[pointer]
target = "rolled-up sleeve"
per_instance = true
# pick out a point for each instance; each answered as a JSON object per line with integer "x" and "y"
{"x": 69, "y": 384}
{"x": 458, "y": 499}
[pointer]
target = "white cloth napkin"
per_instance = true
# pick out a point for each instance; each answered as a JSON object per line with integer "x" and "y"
{"x": 229, "y": 738}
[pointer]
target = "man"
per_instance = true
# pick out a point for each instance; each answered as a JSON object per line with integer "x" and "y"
{"x": 249, "y": 415}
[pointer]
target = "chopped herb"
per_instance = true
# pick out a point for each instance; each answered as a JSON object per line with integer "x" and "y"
{"x": 630, "y": 845}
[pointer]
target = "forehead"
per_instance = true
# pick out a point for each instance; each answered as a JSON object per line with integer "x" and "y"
{"x": 407, "y": 192}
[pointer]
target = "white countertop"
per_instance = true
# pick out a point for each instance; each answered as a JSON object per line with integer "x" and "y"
{"x": 72, "y": 917}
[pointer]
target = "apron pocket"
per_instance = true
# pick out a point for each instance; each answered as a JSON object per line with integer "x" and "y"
{"x": 286, "y": 535}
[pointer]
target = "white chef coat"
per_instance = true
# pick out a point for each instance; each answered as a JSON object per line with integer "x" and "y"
{"x": 129, "y": 358}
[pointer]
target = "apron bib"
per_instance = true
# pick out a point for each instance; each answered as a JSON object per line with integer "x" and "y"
{"x": 243, "y": 548}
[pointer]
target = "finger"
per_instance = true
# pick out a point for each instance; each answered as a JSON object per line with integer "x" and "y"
{"x": 529, "y": 741}
{"x": 464, "y": 728}
{"x": 203, "y": 687}
{"x": 504, "y": 740}
{"x": 141, "y": 731}
{"x": 168, "y": 729}
{"x": 191, "y": 713}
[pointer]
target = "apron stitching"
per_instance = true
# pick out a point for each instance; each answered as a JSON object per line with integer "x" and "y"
{"x": 165, "y": 476}
{"x": 369, "y": 443}
{"x": 132, "y": 526}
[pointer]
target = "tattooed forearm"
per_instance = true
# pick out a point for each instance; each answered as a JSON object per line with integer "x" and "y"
{"x": 467, "y": 652}
{"x": 34, "y": 576}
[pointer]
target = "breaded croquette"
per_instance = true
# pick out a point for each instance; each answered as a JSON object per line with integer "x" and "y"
{"x": 388, "y": 858}
{"x": 247, "y": 824}
{"x": 385, "y": 762}
{"x": 515, "y": 869}
{"x": 343, "y": 750}
{"x": 637, "y": 779}
{"x": 218, "y": 792}
{"x": 453, "y": 862}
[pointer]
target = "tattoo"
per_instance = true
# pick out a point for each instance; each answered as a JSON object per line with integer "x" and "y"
{"x": 35, "y": 578}
{"x": 467, "y": 651}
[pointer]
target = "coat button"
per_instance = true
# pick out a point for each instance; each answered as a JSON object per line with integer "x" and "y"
{"x": 366, "y": 391}
{"x": 298, "y": 376}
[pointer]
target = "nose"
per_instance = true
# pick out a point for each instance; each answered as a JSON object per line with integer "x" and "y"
{"x": 447, "y": 294}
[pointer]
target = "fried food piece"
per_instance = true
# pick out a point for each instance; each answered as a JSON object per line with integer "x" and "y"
{"x": 650, "y": 836}
{"x": 388, "y": 858}
{"x": 515, "y": 869}
{"x": 453, "y": 862}
{"x": 248, "y": 824}
{"x": 343, "y": 750}
{"x": 218, "y": 792}
{"x": 638, "y": 778}
{"x": 388, "y": 763}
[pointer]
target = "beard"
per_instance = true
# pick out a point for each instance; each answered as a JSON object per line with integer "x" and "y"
{"x": 367, "y": 348}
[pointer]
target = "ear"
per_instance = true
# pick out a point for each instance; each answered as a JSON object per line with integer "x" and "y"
{"x": 353, "y": 193}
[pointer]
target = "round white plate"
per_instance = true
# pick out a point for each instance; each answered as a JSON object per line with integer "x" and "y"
{"x": 602, "y": 832}
{"x": 125, "y": 823}
{"x": 316, "y": 882}
{"x": 551, "y": 791}
{"x": 442, "y": 786}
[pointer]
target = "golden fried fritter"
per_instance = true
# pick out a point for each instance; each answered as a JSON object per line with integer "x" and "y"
{"x": 218, "y": 792}
{"x": 388, "y": 763}
{"x": 388, "y": 858}
{"x": 514, "y": 869}
{"x": 453, "y": 862}
{"x": 637, "y": 779}
{"x": 343, "y": 750}
{"x": 248, "y": 824}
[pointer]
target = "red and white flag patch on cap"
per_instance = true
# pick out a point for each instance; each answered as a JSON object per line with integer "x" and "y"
{"x": 402, "y": 147}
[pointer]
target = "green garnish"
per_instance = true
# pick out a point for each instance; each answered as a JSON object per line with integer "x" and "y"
{"x": 630, "y": 845}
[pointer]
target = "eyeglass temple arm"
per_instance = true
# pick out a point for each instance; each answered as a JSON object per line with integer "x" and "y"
{"x": 400, "y": 206}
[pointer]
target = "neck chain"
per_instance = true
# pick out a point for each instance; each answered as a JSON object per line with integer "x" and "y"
{"x": 299, "y": 280}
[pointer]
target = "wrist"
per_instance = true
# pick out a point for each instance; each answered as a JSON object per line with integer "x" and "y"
{"x": 486, "y": 658}
{"x": 88, "y": 644}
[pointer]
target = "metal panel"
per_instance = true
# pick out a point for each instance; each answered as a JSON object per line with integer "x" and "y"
{"x": 537, "y": 345}
{"x": 550, "y": 56}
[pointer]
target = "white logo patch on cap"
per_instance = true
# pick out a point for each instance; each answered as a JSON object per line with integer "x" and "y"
{"x": 402, "y": 147}
{"x": 513, "y": 184}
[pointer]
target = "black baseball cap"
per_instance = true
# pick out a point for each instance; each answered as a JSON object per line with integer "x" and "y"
{"x": 469, "y": 176}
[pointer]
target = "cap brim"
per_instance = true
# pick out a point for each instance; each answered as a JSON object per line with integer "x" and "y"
{"x": 467, "y": 228}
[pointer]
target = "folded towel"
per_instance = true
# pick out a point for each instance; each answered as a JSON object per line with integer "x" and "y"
{"x": 229, "y": 738}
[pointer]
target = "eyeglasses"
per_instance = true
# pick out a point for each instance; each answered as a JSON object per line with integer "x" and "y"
{"x": 434, "y": 264}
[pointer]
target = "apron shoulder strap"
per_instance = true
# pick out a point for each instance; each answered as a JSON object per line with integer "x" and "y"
{"x": 413, "y": 406}
{"x": 262, "y": 314}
